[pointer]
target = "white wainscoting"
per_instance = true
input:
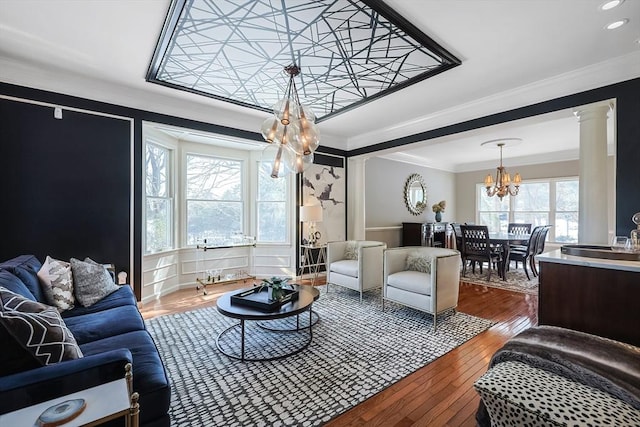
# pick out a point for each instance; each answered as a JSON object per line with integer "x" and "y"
{"x": 169, "y": 271}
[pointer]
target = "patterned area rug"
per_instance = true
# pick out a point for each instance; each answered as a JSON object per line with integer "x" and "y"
{"x": 357, "y": 350}
{"x": 516, "y": 280}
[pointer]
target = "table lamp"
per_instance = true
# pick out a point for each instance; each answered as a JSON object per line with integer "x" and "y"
{"x": 311, "y": 214}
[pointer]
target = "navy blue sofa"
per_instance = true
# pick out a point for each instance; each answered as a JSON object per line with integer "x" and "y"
{"x": 110, "y": 333}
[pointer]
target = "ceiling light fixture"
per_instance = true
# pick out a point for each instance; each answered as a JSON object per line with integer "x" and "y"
{"x": 503, "y": 184}
{"x": 292, "y": 134}
{"x": 616, "y": 24}
{"x": 611, "y": 4}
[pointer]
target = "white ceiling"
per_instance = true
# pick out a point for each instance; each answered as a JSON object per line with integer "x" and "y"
{"x": 514, "y": 53}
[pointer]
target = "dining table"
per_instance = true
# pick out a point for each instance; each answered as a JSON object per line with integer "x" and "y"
{"x": 506, "y": 240}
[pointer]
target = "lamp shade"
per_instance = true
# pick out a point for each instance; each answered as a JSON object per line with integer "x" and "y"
{"x": 311, "y": 213}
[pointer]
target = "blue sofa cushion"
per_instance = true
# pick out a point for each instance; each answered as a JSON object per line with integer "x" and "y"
{"x": 10, "y": 281}
{"x": 26, "y": 267}
{"x": 38, "y": 328}
{"x": 123, "y": 296}
{"x": 104, "y": 324}
{"x": 149, "y": 376}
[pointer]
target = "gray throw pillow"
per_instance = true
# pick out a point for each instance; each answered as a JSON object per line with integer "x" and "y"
{"x": 351, "y": 251}
{"x": 38, "y": 328}
{"x": 91, "y": 282}
{"x": 418, "y": 262}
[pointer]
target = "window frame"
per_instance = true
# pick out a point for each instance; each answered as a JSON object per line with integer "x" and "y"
{"x": 243, "y": 201}
{"x": 287, "y": 208}
{"x": 169, "y": 197}
{"x": 551, "y": 213}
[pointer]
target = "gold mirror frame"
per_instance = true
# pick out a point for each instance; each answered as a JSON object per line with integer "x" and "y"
{"x": 412, "y": 188}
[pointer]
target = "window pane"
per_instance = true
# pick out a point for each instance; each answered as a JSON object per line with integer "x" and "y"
{"x": 566, "y": 227}
{"x": 272, "y": 221}
{"x": 270, "y": 189}
{"x": 533, "y": 218}
{"x": 157, "y": 170}
{"x": 495, "y": 221}
{"x": 567, "y": 196}
{"x": 158, "y": 215}
{"x": 212, "y": 220}
{"x": 494, "y": 203}
{"x": 210, "y": 178}
{"x": 532, "y": 197}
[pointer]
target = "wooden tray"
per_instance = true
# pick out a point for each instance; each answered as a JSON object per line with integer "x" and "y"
{"x": 258, "y": 298}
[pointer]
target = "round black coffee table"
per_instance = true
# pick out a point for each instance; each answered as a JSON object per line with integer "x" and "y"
{"x": 306, "y": 296}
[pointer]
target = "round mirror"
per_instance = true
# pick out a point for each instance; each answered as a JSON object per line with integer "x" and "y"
{"x": 415, "y": 194}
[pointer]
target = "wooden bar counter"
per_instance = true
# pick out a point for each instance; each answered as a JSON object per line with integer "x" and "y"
{"x": 594, "y": 295}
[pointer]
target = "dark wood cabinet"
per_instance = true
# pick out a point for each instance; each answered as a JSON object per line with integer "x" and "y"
{"x": 599, "y": 301}
{"x": 411, "y": 234}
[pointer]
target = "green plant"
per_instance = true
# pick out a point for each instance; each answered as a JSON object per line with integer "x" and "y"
{"x": 276, "y": 286}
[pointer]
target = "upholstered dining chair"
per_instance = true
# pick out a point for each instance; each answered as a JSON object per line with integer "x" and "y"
{"x": 355, "y": 264}
{"x": 477, "y": 247}
{"x": 423, "y": 278}
{"x": 526, "y": 255}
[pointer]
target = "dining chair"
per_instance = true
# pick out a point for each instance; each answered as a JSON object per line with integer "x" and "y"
{"x": 540, "y": 242}
{"x": 526, "y": 255}
{"x": 477, "y": 247}
{"x": 519, "y": 228}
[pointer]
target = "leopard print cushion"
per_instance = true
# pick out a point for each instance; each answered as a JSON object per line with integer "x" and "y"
{"x": 517, "y": 394}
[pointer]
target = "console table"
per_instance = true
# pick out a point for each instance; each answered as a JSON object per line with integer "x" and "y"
{"x": 424, "y": 234}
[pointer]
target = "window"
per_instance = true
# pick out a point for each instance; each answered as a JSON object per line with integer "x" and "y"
{"x": 271, "y": 207}
{"x": 158, "y": 199}
{"x": 539, "y": 202}
{"x": 214, "y": 200}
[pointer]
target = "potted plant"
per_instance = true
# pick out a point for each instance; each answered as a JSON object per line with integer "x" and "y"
{"x": 438, "y": 208}
{"x": 275, "y": 287}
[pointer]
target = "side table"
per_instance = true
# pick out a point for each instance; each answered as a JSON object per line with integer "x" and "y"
{"x": 104, "y": 402}
{"x": 308, "y": 263}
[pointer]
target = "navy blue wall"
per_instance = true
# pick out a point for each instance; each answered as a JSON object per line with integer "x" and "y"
{"x": 102, "y": 163}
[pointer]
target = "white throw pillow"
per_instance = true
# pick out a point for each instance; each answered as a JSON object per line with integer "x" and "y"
{"x": 56, "y": 281}
{"x": 351, "y": 250}
{"x": 418, "y": 262}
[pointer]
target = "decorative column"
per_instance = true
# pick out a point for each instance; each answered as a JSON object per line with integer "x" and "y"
{"x": 593, "y": 219}
{"x": 355, "y": 198}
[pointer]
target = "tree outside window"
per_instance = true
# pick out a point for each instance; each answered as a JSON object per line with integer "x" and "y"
{"x": 214, "y": 199}
{"x": 158, "y": 199}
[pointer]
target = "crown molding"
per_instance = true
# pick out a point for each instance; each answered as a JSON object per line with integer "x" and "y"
{"x": 604, "y": 73}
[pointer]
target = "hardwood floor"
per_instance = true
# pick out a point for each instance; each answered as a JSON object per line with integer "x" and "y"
{"x": 439, "y": 394}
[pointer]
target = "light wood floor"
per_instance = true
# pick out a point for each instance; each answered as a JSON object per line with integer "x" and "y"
{"x": 439, "y": 394}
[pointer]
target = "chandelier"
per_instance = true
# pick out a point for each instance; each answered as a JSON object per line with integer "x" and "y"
{"x": 503, "y": 184}
{"x": 292, "y": 133}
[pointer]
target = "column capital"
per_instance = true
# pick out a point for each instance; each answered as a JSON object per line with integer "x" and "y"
{"x": 593, "y": 111}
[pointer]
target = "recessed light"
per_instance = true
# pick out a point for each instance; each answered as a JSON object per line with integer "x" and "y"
{"x": 616, "y": 24}
{"x": 610, "y": 4}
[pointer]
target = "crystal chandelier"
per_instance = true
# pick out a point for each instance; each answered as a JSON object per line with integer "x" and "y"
{"x": 292, "y": 133}
{"x": 503, "y": 184}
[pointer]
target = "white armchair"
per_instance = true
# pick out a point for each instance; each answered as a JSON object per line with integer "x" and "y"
{"x": 355, "y": 264}
{"x": 424, "y": 278}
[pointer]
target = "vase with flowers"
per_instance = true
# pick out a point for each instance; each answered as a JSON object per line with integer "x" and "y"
{"x": 438, "y": 208}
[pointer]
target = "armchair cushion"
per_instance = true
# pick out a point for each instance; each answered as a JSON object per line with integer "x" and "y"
{"x": 418, "y": 262}
{"x": 412, "y": 281}
{"x": 347, "y": 267}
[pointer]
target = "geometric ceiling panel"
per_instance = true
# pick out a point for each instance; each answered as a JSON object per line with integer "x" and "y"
{"x": 349, "y": 52}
